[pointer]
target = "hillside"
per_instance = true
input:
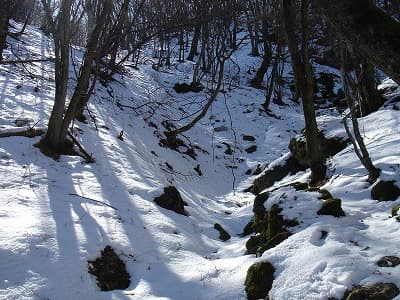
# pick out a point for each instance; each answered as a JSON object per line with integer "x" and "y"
{"x": 58, "y": 215}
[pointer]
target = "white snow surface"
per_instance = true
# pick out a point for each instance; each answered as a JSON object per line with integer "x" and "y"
{"x": 49, "y": 232}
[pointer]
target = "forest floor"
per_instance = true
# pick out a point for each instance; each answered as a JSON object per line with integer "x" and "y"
{"x": 56, "y": 215}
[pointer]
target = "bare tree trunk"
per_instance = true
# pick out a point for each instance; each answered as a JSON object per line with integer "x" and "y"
{"x": 195, "y": 41}
{"x": 181, "y": 46}
{"x": 304, "y": 80}
{"x": 6, "y": 10}
{"x": 4, "y": 20}
{"x": 171, "y": 135}
{"x": 91, "y": 18}
{"x": 353, "y": 98}
{"x": 202, "y": 57}
{"x": 56, "y": 136}
{"x": 62, "y": 35}
{"x": 254, "y": 44}
{"x": 84, "y": 85}
{"x": 370, "y": 98}
{"x": 371, "y": 32}
{"x": 274, "y": 87}
{"x": 267, "y": 56}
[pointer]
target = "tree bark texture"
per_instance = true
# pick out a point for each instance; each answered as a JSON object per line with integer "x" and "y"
{"x": 84, "y": 85}
{"x": 6, "y": 10}
{"x": 267, "y": 56}
{"x": 62, "y": 36}
{"x": 304, "y": 81}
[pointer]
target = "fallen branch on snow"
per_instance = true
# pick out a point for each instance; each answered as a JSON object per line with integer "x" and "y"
{"x": 89, "y": 158}
{"x": 24, "y": 61}
{"x": 18, "y": 131}
{"x": 94, "y": 200}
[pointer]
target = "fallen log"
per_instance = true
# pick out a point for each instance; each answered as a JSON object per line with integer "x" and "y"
{"x": 18, "y": 131}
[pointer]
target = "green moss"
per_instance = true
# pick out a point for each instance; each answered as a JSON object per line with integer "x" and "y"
{"x": 332, "y": 207}
{"x": 260, "y": 199}
{"x": 275, "y": 232}
{"x": 325, "y": 194}
{"x": 260, "y": 222}
{"x": 260, "y": 216}
{"x": 273, "y": 241}
{"x": 253, "y": 243}
{"x": 300, "y": 186}
{"x": 259, "y": 280}
{"x": 272, "y": 231}
{"x": 275, "y": 221}
{"x": 379, "y": 291}
{"x": 395, "y": 210}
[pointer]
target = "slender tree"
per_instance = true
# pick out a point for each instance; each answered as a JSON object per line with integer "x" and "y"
{"x": 7, "y": 10}
{"x": 304, "y": 81}
{"x": 60, "y": 27}
{"x": 354, "y": 95}
{"x": 55, "y": 140}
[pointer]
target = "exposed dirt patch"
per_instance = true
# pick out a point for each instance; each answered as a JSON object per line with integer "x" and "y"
{"x": 110, "y": 271}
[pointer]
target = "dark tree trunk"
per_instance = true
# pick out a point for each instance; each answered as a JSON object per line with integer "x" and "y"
{"x": 371, "y": 32}
{"x": 354, "y": 97}
{"x": 304, "y": 81}
{"x": 370, "y": 98}
{"x": 85, "y": 85}
{"x": 6, "y": 10}
{"x": 62, "y": 36}
{"x": 4, "y": 20}
{"x": 266, "y": 59}
{"x": 195, "y": 42}
{"x": 56, "y": 136}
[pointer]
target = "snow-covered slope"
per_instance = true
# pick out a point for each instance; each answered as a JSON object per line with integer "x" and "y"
{"x": 57, "y": 215}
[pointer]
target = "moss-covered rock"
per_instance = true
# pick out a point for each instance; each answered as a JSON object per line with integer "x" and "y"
{"x": 266, "y": 180}
{"x": 385, "y": 191}
{"x": 248, "y": 229}
{"x": 260, "y": 217}
{"x": 332, "y": 207}
{"x": 258, "y": 170}
{"x": 300, "y": 186}
{"x": 379, "y": 291}
{"x": 253, "y": 244}
{"x": 388, "y": 261}
{"x": 172, "y": 200}
{"x": 325, "y": 194}
{"x": 298, "y": 149}
{"x": 271, "y": 241}
{"x": 259, "y": 280}
{"x": 260, "y": 199}
{"x": 271, "y": 230}
{"x": 395, "y": 210}
{"x": 297, "y": 160}
{"x": 275, "y": 221}
{"x": 327, "y": 146}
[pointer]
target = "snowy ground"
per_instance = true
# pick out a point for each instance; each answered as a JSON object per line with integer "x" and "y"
{"x": 49, "y": 233}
